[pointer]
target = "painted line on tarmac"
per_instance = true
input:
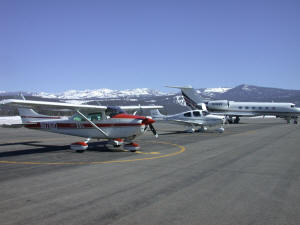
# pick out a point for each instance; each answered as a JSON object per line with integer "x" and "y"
{"x": 182, "y": 149}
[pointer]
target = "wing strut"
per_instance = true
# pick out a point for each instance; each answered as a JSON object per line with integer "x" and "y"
{"x": 93, "y": 124}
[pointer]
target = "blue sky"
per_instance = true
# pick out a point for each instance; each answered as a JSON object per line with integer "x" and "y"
{"x": 59, "y": 45}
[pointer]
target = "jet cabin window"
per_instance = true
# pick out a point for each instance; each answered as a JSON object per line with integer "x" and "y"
{"x": 196, "y": 113}
{"x": 188, "y": 114}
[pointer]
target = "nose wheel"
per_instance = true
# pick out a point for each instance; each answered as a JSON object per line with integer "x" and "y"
{"x": 80, "y": 146}
{"x": 133, "y": 147}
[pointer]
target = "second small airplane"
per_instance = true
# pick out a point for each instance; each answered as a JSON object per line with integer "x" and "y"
{"x": 195, "y": 120}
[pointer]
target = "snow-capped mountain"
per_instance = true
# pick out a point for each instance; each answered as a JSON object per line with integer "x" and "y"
{"x": 101, "y": 93}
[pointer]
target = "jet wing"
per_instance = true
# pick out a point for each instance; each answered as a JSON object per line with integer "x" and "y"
{"x": 61, "y": 105}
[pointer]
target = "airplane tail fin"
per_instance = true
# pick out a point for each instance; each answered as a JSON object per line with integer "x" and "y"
{"x": 155, "y": 114}
{"x": 31, "y": 116}
{"x": 191, "y": 97}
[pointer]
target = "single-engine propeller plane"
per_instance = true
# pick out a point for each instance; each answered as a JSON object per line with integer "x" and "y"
{"x": 195, "y": 120}
{"x": 89, "y": 121}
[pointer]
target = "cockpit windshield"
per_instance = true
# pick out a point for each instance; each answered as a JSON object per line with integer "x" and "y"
{"x": 113, "y": 110}
{"x": 205, "y": 113}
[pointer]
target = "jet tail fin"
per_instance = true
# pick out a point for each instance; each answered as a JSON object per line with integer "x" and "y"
{"x": 191, "y": 97}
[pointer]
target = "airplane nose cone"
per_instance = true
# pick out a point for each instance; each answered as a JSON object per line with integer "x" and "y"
{"x": 148, "y": 121}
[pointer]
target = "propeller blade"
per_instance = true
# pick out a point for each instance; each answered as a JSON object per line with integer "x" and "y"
{"x": 153, "y": 130}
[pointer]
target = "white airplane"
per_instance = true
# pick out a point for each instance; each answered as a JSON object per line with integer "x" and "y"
{"x": 89, "y": 121}
{"x": 234, "y": 109}
{"x": 194, "y": 119}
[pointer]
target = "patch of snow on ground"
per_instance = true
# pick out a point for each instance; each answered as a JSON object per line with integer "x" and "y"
{"x": 8, "y": 120}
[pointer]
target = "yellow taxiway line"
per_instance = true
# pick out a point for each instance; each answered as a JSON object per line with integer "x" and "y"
{"x": 182, "y": 149}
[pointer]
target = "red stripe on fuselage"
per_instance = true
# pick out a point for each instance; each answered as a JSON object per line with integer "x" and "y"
{"x": 79, "y": 125}
{"x": 42, "y": 117}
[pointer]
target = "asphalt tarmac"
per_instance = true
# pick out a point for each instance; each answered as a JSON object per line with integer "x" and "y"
{"x": 250, "y": 174}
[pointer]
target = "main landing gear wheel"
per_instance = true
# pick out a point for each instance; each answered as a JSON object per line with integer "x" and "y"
{"x": 79, "y": 146}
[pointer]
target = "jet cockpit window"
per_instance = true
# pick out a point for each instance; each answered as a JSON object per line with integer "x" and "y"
{"x": 113, "y": 110}
{"x": 196, "y": 113}
{"x": 188, "y": 114}
{"x": 292, "y": 106}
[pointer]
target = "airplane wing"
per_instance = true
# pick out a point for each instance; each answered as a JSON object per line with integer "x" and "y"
{"x": 61, "y": 105}
{"x": 247, "y": 114}
{"x": 185, "y": 123}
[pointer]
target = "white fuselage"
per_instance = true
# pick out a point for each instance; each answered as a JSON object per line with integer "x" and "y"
{"x": 192, "y": 118}
{"x": 253, "y": 108}
{"x": 113, "y": 127}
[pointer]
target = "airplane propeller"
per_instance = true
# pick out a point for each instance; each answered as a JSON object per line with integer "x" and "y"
{"x": 148, "y": 122}
{"x": 153, "y": 130}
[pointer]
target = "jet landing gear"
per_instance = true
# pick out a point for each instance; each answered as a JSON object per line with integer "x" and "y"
{"x": 236, "y": 120}
{"x": 230, "y": 120}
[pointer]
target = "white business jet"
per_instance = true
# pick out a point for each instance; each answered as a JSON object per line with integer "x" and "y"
{"x": 232, "y": 109}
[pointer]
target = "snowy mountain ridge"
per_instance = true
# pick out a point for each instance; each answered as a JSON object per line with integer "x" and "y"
{"x": 101, "y": 93}
{"x": 110, "y": 94}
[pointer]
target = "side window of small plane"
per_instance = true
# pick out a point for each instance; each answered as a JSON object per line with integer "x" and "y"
{"x": 267, "y": 107}
{"x": 95, "y": 116}
{"x": 189, "y": 114}
{"x": 196, "y": 113}
{"x": 253, "y": 107}
{"x": 246, "y": 107}
{"x": 78, "y": 118}
{"x": 273, "y": 108}
{"x": 259, "y": 108}
{"x": 240, "y": 107}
